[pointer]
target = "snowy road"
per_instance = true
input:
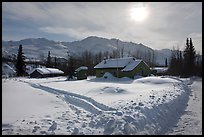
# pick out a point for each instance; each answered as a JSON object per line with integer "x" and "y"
{"x": 191, "y": 122}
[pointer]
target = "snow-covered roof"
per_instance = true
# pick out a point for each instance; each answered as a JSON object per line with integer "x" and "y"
{"x": 160, "y": 69}
{"x": 114, "y": 63}
{"x": 54, "y": 70}
{"x": 130, "y": 66}
{"x": 48, "y": 71}
{"x": 82, "y": 68}
{"x": 128, "y": 63}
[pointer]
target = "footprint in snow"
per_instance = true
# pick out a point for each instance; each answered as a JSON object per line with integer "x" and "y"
{"x": 53, "y": 126}
{"x": 75, "y": 132}
{"x": 35, "y": 129}
{"x": 134, "y": 103}
{"x": 141, "y": 104}
{"x": 137, "y": 107}
{"x": 152, "y": 97}
{"x": 118, "y": 113}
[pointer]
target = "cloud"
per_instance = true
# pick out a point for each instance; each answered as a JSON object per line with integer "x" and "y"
{"x": 167, "y": 22}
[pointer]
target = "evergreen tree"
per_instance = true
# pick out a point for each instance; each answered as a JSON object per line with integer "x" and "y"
{"x": 71, "y": 66}
{"x": 180, "y": 63}
{"x": 172, "y": 65}
{"x": 48, "y": 63}
{"x": 166, "y": 62}
{"x": 20, "y": 63}
{"x": 55, "y": 63}
{"x": 198, "y": 68}
{"x": 189, "y": 58}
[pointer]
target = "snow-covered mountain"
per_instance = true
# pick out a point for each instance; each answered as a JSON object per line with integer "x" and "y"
{"x": 34, "y": 47}
{"x": 39, "y": 47}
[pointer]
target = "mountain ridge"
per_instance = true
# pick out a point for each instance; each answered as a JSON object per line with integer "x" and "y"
{"x": 39, "y": 47}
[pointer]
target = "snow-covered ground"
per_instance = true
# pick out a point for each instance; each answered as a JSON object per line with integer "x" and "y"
{"x": 191, "y": 121}
{"x": 149, "y": 105}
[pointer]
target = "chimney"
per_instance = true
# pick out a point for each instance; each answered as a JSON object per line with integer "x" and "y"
{"x": 104, "y": 60}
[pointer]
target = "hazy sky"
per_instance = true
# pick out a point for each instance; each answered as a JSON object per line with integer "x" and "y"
{"x": 157, "y": 25}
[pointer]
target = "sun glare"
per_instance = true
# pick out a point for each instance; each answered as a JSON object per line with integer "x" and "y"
{"x": 138, "y": 13}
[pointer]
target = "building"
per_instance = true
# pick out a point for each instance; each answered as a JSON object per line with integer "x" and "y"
{"x": 81, "y": 72}
{"x": 159, "y": 70}
{"x": 123, "y": 67}
{"x": 45, "y": 72}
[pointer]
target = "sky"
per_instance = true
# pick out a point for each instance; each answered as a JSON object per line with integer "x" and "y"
{"x": 158, "y": 25}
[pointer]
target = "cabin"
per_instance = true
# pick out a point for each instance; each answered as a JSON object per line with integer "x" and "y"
{"x": 81, "y": 72}
{"x": 123, "y": 67}
{"x": 45, "y": 72}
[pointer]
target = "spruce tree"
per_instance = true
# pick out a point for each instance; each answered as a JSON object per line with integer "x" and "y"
{"x": 166, "y": 64}
{"x": 71, "y": 67}
{"x": 172, "y": 64}
{"x": 48, "y": 63}
{"x": 189, "y": 58}
{"x": 20, "y": 63}
{"x": 55, "y": 63}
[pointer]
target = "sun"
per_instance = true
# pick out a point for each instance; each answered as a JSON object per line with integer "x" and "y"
{"x": 138, "y": 13}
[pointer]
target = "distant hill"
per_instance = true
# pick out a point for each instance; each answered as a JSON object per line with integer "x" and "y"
{"x": 39, "y": 47}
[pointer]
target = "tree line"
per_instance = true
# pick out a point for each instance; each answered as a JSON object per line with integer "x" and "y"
{"x": 185, "y": 63}
{"x": 182, "y": 63}
{"x": 86, "y": 58}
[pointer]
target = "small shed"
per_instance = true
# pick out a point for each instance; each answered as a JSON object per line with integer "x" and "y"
{"x": 159, "y": 70}
{"x": 45, "y": 72}
{"x": 81, "y": 72}
{"x": 123, "y": 67}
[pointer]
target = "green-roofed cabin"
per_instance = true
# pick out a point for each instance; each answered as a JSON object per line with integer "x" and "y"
{"x": 81, "y": 72}
{"x": 123, "y": 67}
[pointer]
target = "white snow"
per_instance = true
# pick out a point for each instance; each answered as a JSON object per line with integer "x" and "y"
{"x": 55, "y": 71}
{"x": 82, "y": 68}
{"x": 7, "y": 71}
{"x": 191, "y": 122}
{"x": 47, "y": 71}
{"x": 160, "y": 69}
{"x": 114, "y": 63}
{"x": 131, "y": 65}
{"x": 21, "y": 101}
{"x": 127, "y": 63}
{"x": 147, "y": 105}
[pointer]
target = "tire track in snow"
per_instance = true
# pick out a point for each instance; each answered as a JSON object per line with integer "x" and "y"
{"x": 84, "y": 102}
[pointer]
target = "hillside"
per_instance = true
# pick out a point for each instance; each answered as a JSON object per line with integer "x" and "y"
{"x": 39, "y": 47}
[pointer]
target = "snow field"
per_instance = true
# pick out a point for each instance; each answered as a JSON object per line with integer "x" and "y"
{"x": 150, "y": 105}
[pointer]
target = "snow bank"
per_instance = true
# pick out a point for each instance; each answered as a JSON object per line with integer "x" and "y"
{"x": 7, "y": 71}
{"x": 108, "y": 77}
{"x": 155, "y": 80}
